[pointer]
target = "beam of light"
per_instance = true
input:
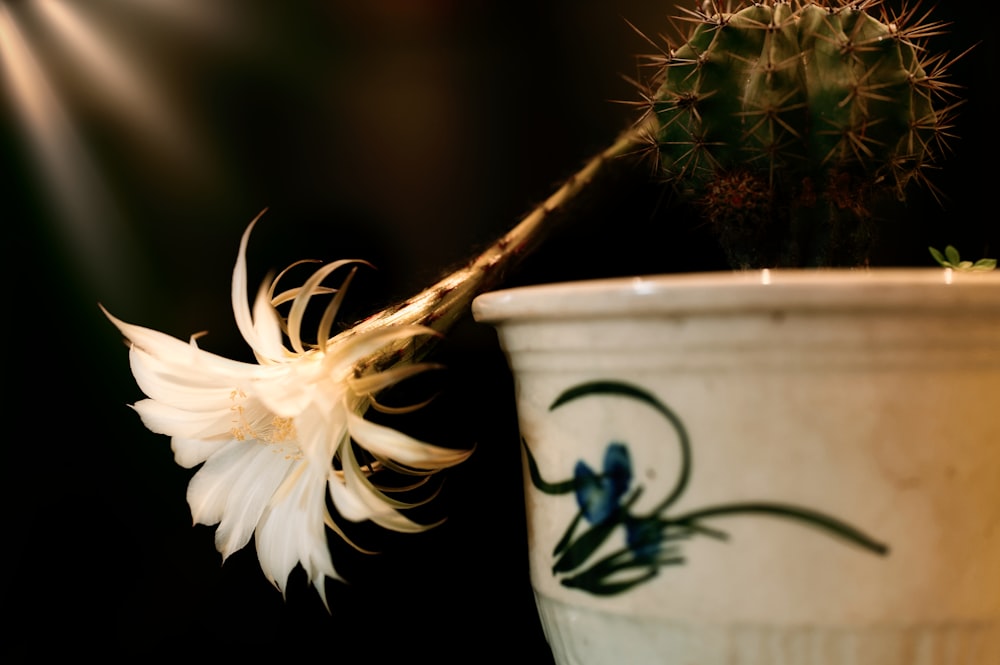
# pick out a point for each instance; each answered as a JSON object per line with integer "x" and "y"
{"x": 79, "y": 197}
{"x": 113, "y": 77}
{"x": 82, "y": 202}
{"x": 210, "y": 17}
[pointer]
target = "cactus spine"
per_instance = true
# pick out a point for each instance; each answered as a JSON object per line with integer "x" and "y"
{"x": 785, "y": 122}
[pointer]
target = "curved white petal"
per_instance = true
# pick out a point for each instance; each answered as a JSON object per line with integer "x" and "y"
{"x": 380, "y": 508}
{"x": 267, "y": 329}
{"x": 320, "y": 432}
{"x": 263, "y": 472}
{"x": 293, "y": 531}
{"x": 293, "y": 387}
{"x": 387, "y": 442}
{"x": 189, "y": 453}
{"x": 203, "y": 392}
{"x": 182, "y": 355}
{"x": 240, "y": 298}
{"x": 163, "y": 418}
{"x": 348, "y": 504}
{"x": 376, "y": 381}
{"x": 208, "y": 491}
{"x": 311, "y": 287}
{"x": 349, "y": 347}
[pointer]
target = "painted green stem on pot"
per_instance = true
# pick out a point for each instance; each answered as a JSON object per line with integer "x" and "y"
{"x": 651, "y": 539}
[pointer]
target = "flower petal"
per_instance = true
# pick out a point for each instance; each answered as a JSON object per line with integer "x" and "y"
{"x": 163, "y": 418}
{"x": 268, "y": 346}
{"x": 293, "y": 387}
{"x": 387, "y": 442}
{"x": 349, "y": 505}
{"x": 292, "y": 531}
{"x": 181, "y": 355}
{"x": 311, "y": 287}
{"x": 208, "y": 491}
{"x": 189, "y": 453}
{"x": 349, "y": 347}
{"x": 377, "y": 381}
{"x": 320, "y": 432}
{"x": 240, "y": 292}
{"x": 381, "y": 508}
{"x": 165, "y": 382}
{"x": 263, "y": 471}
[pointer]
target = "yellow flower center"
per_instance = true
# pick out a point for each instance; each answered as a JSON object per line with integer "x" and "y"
{"x": 263, "y": 427}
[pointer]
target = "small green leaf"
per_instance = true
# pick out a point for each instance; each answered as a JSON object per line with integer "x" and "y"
{"x": 951, "y": 259}
{"x": 985, "y": 264}
{"x": 938, "y": 256}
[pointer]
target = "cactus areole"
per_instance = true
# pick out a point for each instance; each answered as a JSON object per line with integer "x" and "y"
{"x": 784, "y": 123}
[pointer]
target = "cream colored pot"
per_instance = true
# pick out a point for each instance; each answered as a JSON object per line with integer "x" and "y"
{"x": 761, "y": 468}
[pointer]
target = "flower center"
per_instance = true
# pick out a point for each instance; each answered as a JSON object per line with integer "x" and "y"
{"x": 259, "y": 425}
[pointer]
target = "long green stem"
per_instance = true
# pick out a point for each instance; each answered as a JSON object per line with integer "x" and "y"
{"x": 811, "y": 517}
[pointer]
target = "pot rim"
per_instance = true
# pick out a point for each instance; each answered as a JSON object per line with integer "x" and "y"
{"x": 803, "y": 289}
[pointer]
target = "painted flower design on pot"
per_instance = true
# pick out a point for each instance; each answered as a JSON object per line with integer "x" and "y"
{"x": 275, "y": 438}
{"x": 650, "y": 540}
{"x": 599, "y": 494}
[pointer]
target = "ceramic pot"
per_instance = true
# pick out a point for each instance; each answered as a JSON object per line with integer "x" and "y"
{"x": 760, "y": 468}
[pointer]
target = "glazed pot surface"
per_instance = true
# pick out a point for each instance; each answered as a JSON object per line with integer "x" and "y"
{"x": 761, "y": 467}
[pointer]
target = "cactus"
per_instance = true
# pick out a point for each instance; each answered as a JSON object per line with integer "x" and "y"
{"x": 788, "y": 123}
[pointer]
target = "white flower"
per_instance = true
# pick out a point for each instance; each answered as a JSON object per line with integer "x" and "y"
{"x": 275, "y": 437}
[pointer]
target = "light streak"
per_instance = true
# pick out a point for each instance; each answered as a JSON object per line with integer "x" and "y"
{"x": 79, "y": 195}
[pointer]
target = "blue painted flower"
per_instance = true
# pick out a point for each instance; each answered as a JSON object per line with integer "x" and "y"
{"x": 644, "y": 537}
{"x": 599, "y": 494}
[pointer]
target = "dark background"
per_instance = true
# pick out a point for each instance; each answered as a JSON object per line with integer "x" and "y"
{"x": 406, "y": 133}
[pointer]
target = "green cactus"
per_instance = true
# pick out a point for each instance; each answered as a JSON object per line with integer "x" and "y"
{"x": 788, "y": 123}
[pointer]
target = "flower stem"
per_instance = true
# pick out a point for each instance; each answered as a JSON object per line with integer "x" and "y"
{"x": 441, "y": 305}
